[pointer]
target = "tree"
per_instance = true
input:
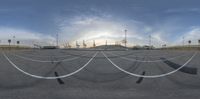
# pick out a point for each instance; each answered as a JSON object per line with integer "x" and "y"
{"x": 189, "y": 42}
{"x": 9, "y": 41}
{"x": 18, "y": 42}
{"x": 199, "y": 41}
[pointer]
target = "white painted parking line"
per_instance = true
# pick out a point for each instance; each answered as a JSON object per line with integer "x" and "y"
{"x": 43, "y": 55}
{"x": 42, "y": 77}
{"x": 133, "y": 54}
{"x": 42, "y": 61}
{"x": 51, "y": 55}
{"x": 160, "y": 60}
{"x": 152, "y": 76}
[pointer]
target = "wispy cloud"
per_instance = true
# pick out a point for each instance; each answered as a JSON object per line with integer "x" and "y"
{"x": 100, "y": 20}
{"x": 25, "y": 37}
{"x": 97, "y": 28}
{"x": 192, "y": 35}
{"x": 183, "y": 10}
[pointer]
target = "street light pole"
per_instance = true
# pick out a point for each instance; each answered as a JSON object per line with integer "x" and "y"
{"x": 13, "y": 40}
{"x": 57, "y": 39}
{"x": 94, "y": 44}
{"x": 125, "y": 37}
{"x": 183, "y": 40}
{"x": 150, "y": 41}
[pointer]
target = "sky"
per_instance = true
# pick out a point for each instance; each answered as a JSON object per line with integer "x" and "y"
{"x": 39, "y": 21}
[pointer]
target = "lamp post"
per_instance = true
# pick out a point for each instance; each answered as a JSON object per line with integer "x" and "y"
{"x": 183, "y": 40}
{"x": 57, "y": 37}
{"x": 125, "y": 39}
{"x": 14, "y": 40}
{"x": 199, "y": 42}
{"x": 150, "y": 42}
{"x": 94, "y": 44}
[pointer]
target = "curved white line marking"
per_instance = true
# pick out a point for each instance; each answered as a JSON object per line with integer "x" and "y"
{"x": 132, "y": 55}
{"x": 43, "y": 56}
{"x": 142, "y": 61}
{"x": 153, "y": 76}
{"x": 42, "y": 77}
{"x": 35, "y": 60}
{"x": 51, "y": 56}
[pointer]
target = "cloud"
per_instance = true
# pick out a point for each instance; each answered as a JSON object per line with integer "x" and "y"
{"x": 24, "y": 36}
{"x": 183, "y": 10}
{"x": 100, "y": 29}
{"x": 192, "y": 35}
{"x": 91, "y": 28}
{"x": 158, "y": 39}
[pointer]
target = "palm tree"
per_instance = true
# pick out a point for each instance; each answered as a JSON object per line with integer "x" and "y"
{"x": 199, "y": 41}
{"x": 189, "y": 42}
{"x": 9, "y": 41}
{"x": 18, "y": 42}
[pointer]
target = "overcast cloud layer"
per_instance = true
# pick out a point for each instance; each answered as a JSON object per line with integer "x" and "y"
{"x": 167, "y": 21}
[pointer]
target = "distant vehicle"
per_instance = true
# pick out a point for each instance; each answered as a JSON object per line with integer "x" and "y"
{"x": 50, "y": 47}
{"x": 147, "y": 47}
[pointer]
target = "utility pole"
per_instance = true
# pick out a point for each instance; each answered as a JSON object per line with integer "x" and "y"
{"x": 57, "y": 39}
{"x": 94, "y": 45}
{"x": 150, "y": 41}
{"x": 183, "y": 41}
{"x": 13, "y": 40}
{"x": 68, "y": 45}
{"x": 77, "y": 45}
{"x": 84, "y": 45}
{"x": 106, "y": 44}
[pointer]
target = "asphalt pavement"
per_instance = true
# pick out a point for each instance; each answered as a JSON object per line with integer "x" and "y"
{"x": 76, "y": 74}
